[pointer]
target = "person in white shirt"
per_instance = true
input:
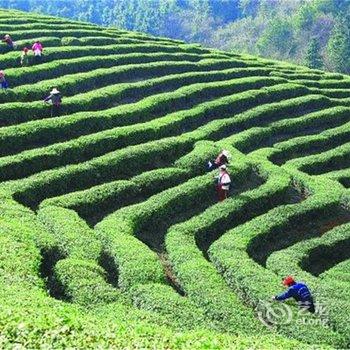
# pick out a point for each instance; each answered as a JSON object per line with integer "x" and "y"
{"x": 223, "y": 183}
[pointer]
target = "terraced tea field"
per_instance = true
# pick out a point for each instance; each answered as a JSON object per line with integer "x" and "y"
{"x": 111, "y": 234}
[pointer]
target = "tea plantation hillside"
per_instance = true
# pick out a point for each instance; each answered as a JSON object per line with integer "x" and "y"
{"x": 111, "y": 234}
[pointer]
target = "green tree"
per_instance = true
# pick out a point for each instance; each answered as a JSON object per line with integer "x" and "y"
{"x": 338, "y": 48}
{"x": 305, "y": 16}
{"x": 249, "y": 8}
{"x": 313, "y": 56}
{"x": 277, "y": 40}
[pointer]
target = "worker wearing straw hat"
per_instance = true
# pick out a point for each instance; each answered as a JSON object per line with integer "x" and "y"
{"x": 221, "y": 159}
{"x": 55, "y": 99}
{"x": 8, "y": 40}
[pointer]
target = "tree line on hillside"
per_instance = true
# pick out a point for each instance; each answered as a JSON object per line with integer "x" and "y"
{"x": 311, "y": 32}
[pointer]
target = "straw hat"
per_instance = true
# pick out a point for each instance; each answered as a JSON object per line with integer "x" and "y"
{"x": 226, "y": 153}
{"x": 7, "y": 36}
{"x": 54, "y": 91}
{"x": 223, "y": 167}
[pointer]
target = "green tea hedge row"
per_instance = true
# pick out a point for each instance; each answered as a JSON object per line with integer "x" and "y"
{"x": 11, "y": 59}
{"x": 95, "y": 41}
{"x": 17, "y": 112}
{"x": 309, "y": 124}
{"x": 343, "y": 176}
{"x": 58, "y": 129}
{"x": 183, "y": 242}
{"x": 32, "y": 34}
{"x": 76, "y": 276}
{"x": 82, "y": 282}
{"x": 16, "y": 17}
{"x": 71, "y": 234}
{"x": 10, "y": 21}
{"x": 149, "y": 215}
{"x": 96, "y": 202}
{"x": 20, "y": 259}
{"x": 89, "y": 146}
{"x": 45, "y": 71}
{"x": 315, "y": 256}
{"x": 311, "y": 144}
{"x": 121, "y": 164}
{"x": 142, "y": 35}
{"x": 28, "y": 316}
{"x": 232, "y": 256}
{"x": 161, "y": 104}
{"x": 4, "y": 28}
{"x": 139, "y": 268}
{"x": 103, "y": 41}
{"x": 334, "y": 93}
{"x": 342, "y": 101}
{"x": 151, "y": 38}
{"x": 307, "y": 74}
{"x": 298, "y": 75}
{"x": 160, "y": 298}
{"x": 334, "y": 159}
{"x": 70, "y": 84}
{"x": 110, "y": 70}
{"x": 291, "y": 106}
{"x": 337, "y": 273}
{"x": 325, "y": 84}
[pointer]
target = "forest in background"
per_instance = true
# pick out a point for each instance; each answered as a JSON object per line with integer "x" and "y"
{"x": 315, "y": 33}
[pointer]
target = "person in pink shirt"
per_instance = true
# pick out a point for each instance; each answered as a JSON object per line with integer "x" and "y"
{"x": 38, "y": 51}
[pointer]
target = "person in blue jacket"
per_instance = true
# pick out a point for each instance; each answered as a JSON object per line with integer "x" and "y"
{"x": 299, "y": 291}
{"x": 3, "y": 82}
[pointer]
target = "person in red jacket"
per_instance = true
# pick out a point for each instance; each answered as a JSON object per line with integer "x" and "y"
{"x": 223, "y": 183}
{"x": 221, "y": 159}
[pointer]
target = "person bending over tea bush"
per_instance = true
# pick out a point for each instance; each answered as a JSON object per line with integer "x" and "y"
{"x": 11, "y": 45}
{"x": 299, "y": 291}
{"x": 55, "y": 99}
{"x": 221, "y": 159}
